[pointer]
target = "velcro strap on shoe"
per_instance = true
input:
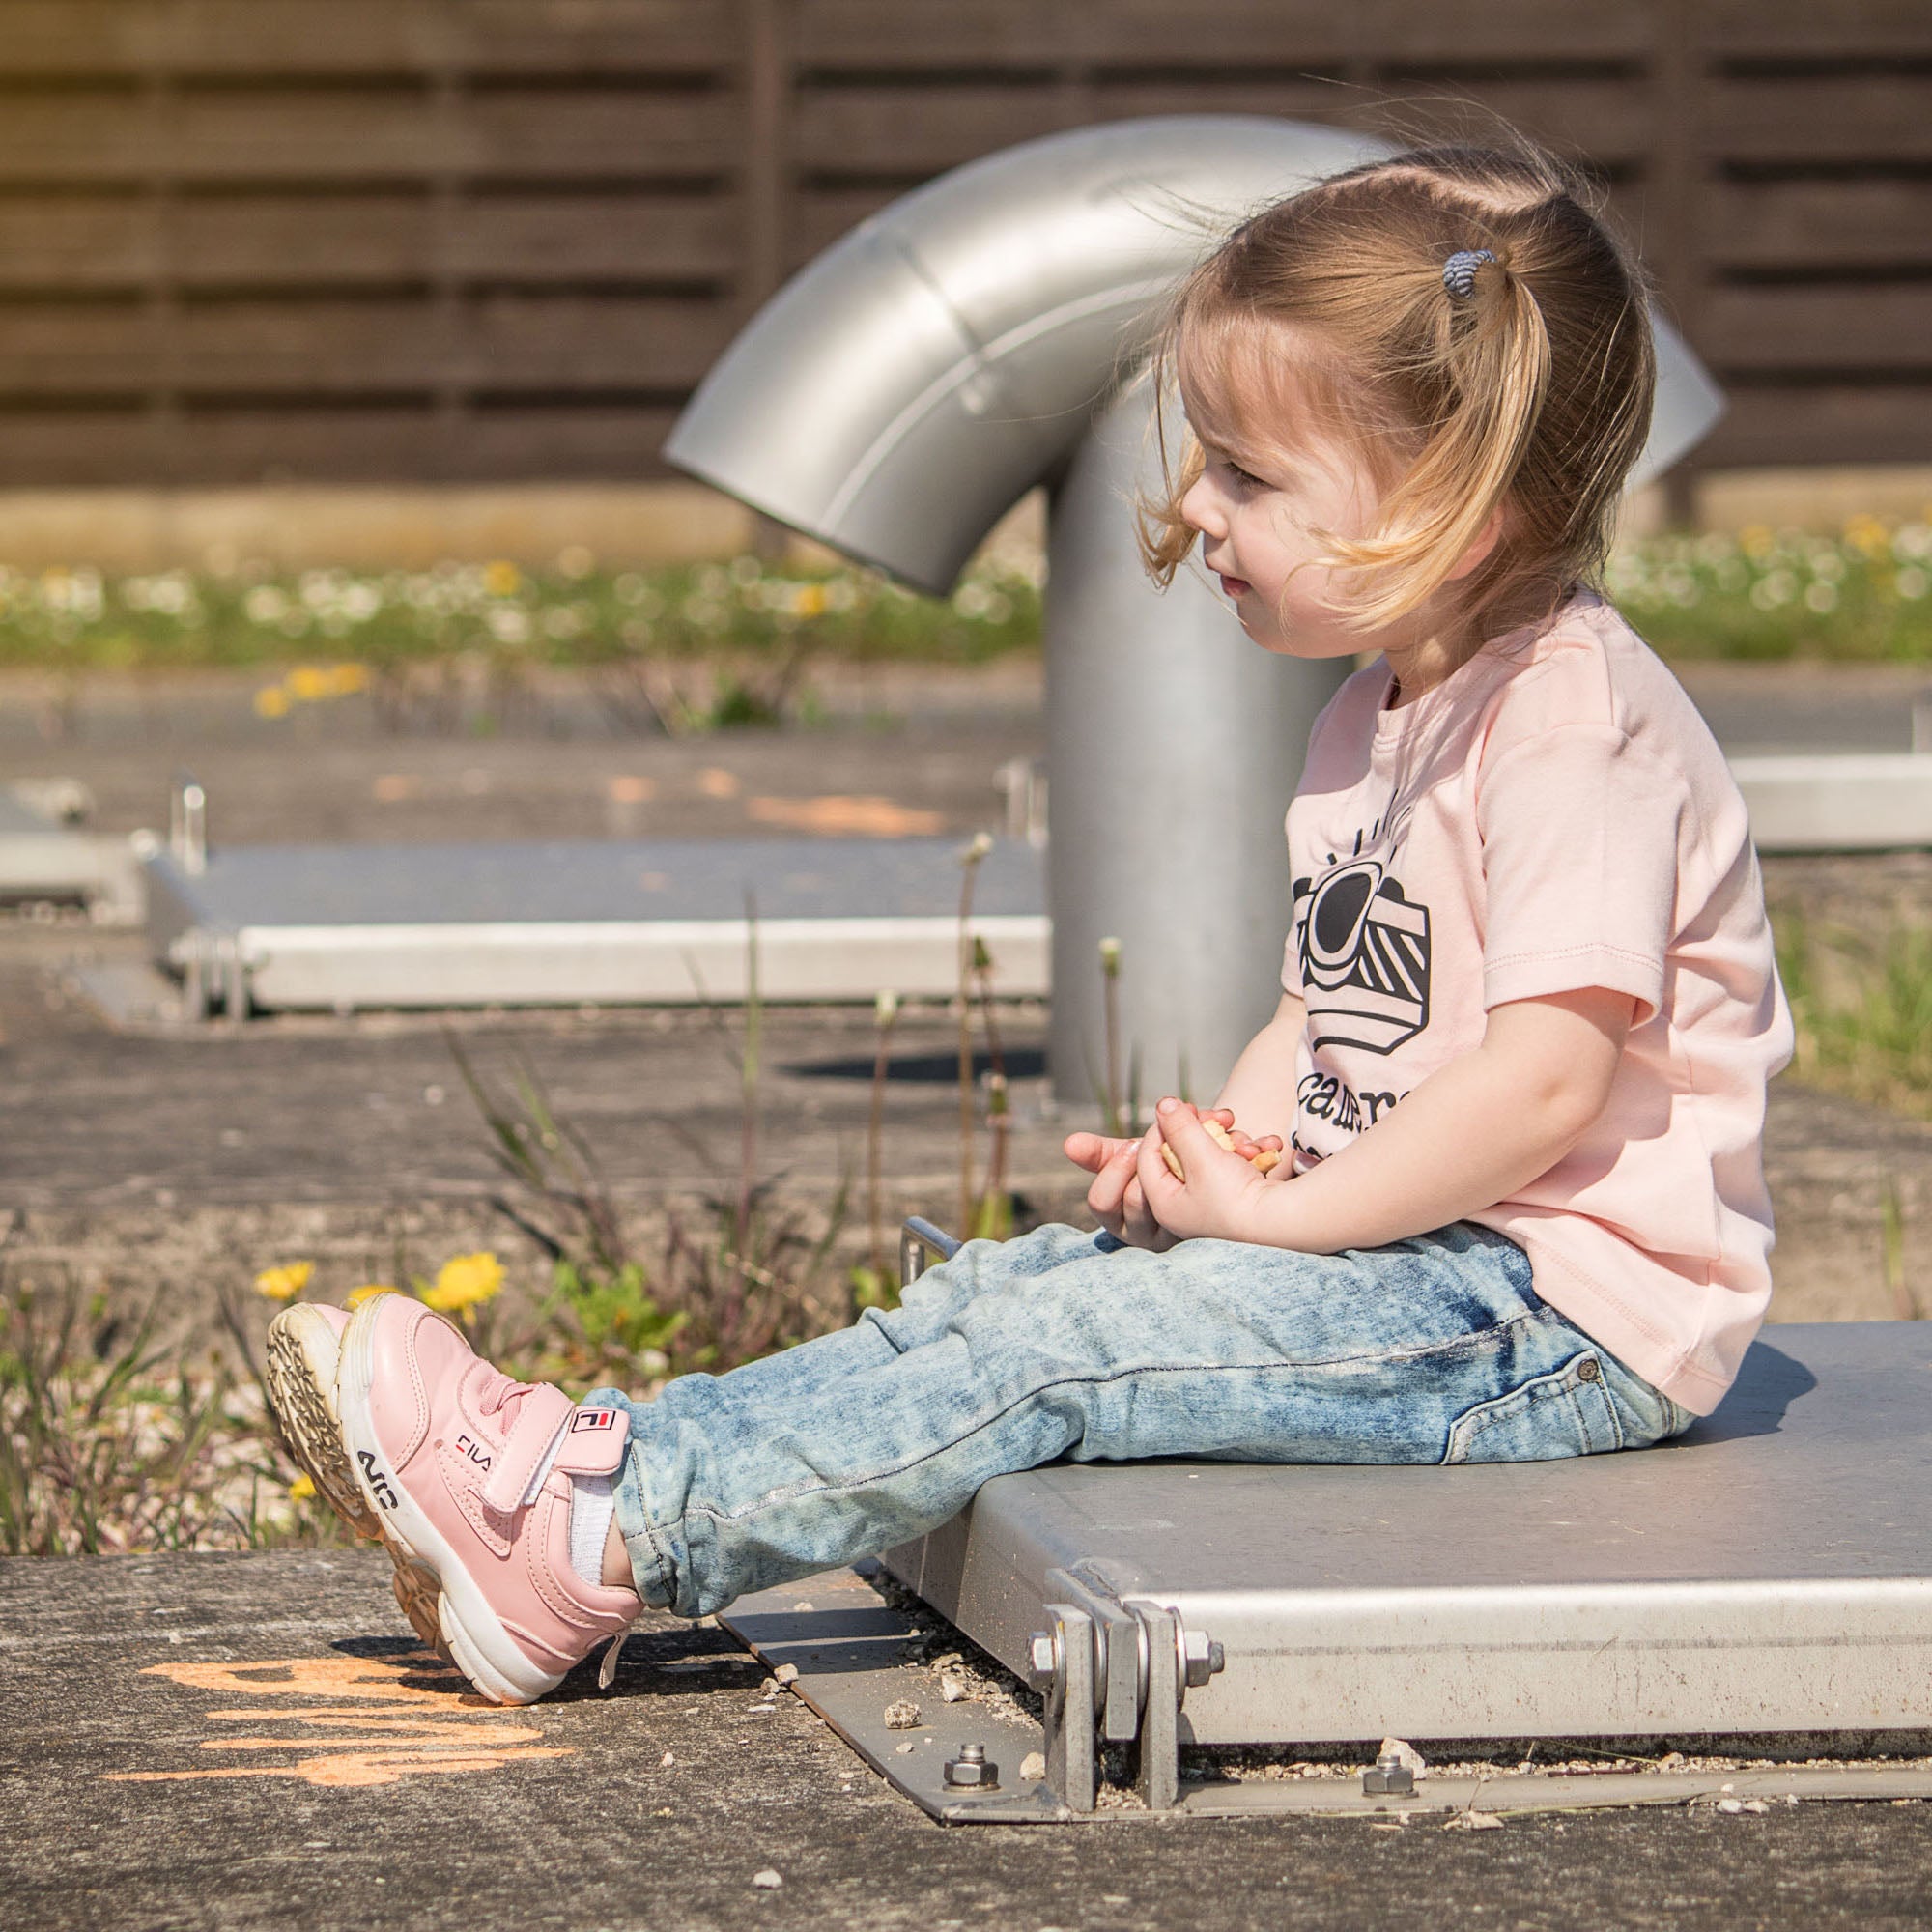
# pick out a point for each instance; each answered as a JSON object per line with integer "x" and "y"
{"x": 543, "y": 1413}
{"x": 594, "y": 1443}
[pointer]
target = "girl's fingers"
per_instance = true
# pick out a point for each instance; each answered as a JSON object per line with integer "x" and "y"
{"x": 1092, "y": 1152}
{"x": 1103, "y": 1197}
{"x": 1142, "y": 1231}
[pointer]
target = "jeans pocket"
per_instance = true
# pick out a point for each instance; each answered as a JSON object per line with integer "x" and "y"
{"x": 1565, "y": 1411}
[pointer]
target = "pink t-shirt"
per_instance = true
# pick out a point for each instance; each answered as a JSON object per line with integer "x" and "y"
{"x": 1555, "y": 815}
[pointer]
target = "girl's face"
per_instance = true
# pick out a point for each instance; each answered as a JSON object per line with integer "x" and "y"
{"x": 1257, "y": 507}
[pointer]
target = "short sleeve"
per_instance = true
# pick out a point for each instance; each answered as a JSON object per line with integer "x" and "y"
{"x": 1580, "y": 839}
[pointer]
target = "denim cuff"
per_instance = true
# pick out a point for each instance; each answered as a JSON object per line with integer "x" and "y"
{"x": 651, "y": 1567}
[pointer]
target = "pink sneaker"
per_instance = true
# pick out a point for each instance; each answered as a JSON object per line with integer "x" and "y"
{"x": 304, "y": 1349}
{"x": 467, "y": 1475}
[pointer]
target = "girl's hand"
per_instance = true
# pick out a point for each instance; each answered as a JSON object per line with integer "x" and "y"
{"x": 1222, "y": 1191}
{"x": 1119, "y": 1204}
{"x": 1117, "y": 1198}
{"x": 1093, "y": 1151}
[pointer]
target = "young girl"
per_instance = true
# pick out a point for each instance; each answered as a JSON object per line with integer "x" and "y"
{"x": 1529, "y": 1010}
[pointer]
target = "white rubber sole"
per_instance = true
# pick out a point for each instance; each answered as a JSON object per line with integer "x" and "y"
{"x": 477, "y": 1643}
{"x": 303, "y": 1357}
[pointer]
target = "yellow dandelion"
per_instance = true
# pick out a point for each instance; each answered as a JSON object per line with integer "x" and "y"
{"x": 1755, "y": 540}
{"x": 347, "y": 679}
{"x": 809, "y": 601}
{"x": 465, "y": 1280}
{"x": 302, "y": 1488}
{"x": 1867, "y": 534}
{"x": 368, "y": 1292}
{"x": 285, "y": 1283}
{"x": 271, "y": 702}
{"x": 502, "y": 579}
{"x": 309, "y": 682}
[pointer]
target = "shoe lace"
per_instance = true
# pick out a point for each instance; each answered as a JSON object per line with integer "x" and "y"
{"x": 496, "y": 1391}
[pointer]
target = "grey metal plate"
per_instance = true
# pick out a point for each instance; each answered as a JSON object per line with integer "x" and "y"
{"x": 849, "y": 1647}
{"x": 640, "y": 921}
{"x": 590, "y": 880}
{"x": 1769, "y": 1572}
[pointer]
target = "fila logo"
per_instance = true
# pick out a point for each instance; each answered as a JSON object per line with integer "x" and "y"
{"x": 476, "y": 1454}
{"x": 586, "y": 1419}
{"x": 377, "y": 1481}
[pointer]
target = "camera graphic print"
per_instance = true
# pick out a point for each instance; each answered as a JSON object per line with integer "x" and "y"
{"x": 1364, "y": 953}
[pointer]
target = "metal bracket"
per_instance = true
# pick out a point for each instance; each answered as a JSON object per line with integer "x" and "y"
{"x": 1159, "y": 1772}
{"x": 1119, "y": 1653}
{"x": 1136, "y": 1660}
{"x": 916, "y": 1239}
{"x": 1072, "y": 1758}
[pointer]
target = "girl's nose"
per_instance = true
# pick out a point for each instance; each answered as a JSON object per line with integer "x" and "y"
{"x": 1199, "y": 509}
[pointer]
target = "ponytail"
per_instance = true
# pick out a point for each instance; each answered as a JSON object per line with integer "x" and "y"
{"x": 1494, "y": 350}
{"x": 1468, "y": 320}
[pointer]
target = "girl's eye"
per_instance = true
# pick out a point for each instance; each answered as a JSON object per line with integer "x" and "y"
{"x": 1241, "y": 475}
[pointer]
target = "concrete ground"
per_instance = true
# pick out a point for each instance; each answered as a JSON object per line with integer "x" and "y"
{"x": 241, "y": 1742}
{"x": 184, "y": 1160}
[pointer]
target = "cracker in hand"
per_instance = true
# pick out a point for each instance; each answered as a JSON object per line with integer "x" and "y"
{"x": 1264, "y": 1162}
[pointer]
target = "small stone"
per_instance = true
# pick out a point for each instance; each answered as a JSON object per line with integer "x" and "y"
{"x": 767, "y": 1880}
{"x": 952, "y": 1691}
{"x": 1473, "y": 1821}
{"x": 787, "y": 1673}
{"x": 802, "y": 1607}
{"x": 903, "y": 1716}
{"x": 667, "y": 1759}
{"x": 905, "y": 1749}
{"x": 1405, "y": 1754}
{"x": 1756, "y": 1806}
{"x": 1730, "y": 1807}
{"x": 762, "y": 1709}
{"x": 769, "y": 1687}
{"x": 1033, "y": 1768}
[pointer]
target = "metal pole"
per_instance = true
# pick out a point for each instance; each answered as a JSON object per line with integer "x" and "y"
{"x": 1175, "y": 745}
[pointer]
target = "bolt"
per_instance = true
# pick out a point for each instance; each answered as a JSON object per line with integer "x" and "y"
{"x": 972, "y": 1767}
{"x": 1390, "y": 1778}
{"x": 1201, "y": 1658}
{"x": 1043, "y": 1660}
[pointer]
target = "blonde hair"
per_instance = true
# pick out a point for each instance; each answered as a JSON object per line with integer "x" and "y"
{"x": 1532, "y": 393}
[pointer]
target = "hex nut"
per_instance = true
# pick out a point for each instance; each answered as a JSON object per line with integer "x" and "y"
{"x": 972, "y": 1768}
{"x": 1390, "y": 1778}
{"x": 1202, "y": 1657}
{"x": 1043, "y": 1660}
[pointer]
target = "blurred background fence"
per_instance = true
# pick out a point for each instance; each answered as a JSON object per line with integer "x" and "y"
{"x": 475, "y": 242}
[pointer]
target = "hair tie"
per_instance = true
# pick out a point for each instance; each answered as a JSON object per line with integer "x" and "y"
{"x": 1459, "y": 272}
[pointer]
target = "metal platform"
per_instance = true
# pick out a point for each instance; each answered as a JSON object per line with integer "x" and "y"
{"x": 43, "y": 859}
{"x": 341, "y": 928}
{"x": 659, "y": 920}
{"x": 1766, "y": 1575}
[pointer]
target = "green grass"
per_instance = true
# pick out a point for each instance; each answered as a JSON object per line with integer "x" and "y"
{"x": 1768, "y": 594}
{"x": 1761, "y": 594}
{"x": 1861, "y": 1007}
{"x": 83, "y": 619}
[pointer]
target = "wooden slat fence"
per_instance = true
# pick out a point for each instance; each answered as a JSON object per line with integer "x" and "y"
{"x": 492, "y": 240}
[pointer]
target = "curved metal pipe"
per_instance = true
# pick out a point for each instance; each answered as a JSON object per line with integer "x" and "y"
{"x": 977, "y": 337}
{"x": 905, "y": 390}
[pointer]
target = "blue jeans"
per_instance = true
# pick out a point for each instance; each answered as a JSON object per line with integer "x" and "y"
{"x": 1065, "y": 1343}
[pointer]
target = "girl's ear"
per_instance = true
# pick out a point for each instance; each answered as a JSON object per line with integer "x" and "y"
{"x": 1485, "y": 540}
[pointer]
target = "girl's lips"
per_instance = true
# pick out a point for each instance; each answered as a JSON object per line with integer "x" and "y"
{"x": 1233, "y": 586}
